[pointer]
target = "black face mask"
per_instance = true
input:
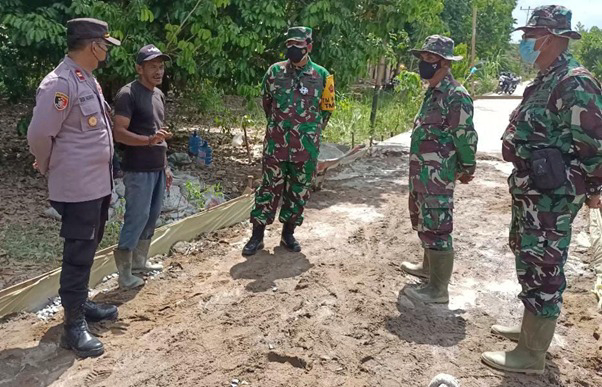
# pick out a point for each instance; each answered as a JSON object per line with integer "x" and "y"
{"x": 104, "y": 63}
{"x": 296, "y": 54}
{"x": 428, "y": 70}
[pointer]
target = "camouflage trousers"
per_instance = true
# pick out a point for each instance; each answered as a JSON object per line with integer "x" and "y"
{"x": 540, "y": 234}
{"x": 432, "y": 217}
{"x": 290, "y": 181}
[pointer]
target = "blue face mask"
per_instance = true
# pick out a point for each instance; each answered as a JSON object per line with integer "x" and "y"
{"x": 527, "y": 50}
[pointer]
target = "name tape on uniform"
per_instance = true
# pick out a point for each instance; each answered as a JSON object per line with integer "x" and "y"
{"x": 86, "y": 98}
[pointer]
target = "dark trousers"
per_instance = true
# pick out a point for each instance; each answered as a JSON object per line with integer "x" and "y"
{"x": 83, "y": 225}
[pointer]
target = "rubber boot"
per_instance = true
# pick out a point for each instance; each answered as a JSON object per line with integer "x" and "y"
{"x": 417, "y": 269}
{"x": 288, "y": 240}
{"x": 529, "y": 356}
{"x": 98, "y": 312}
{"x": 256, "y": 242}
{"x": 76, "y": 335}
{"x": 441, "y": 267}
{"x": 123, "y": 261}
{"x": 508, "y": 332}
{"x": 140, "y": 263}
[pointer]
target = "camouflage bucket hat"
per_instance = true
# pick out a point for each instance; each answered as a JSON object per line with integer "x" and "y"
{"x": 439, "y": 45}
{"x": 300, "y": 34}
{"x": 554, "y": 18}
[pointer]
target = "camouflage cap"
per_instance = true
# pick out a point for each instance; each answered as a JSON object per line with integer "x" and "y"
{"x": 301, "y": 34}
{"x": 439, "y": 45}
{"x": 554, "y": 18}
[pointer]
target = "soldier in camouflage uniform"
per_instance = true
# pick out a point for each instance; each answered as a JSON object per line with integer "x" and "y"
{"x": 298, "y": 98}
{"x": 442, "y": 150}
{"x": 554, "y": 140}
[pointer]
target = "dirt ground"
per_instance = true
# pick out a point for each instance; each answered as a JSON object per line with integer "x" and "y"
{"x": 34, "y": 246}
{"x": 332, "y": 315}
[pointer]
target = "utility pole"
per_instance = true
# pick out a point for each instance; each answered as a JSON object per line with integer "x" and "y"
{"x": 377, "y": 86}
{"x": 528, "y": 9}
{"x": 474, "y": 42}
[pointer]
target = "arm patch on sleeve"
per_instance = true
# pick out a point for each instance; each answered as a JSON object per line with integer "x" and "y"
{"x": 61, "y": 101}
{"x": 327, "y": 103}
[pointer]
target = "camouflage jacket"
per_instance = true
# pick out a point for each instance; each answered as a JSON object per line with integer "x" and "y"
{"x": 444, "y": 141}
{"x": 291, "y": 101}
{"x": 561, "y": 108}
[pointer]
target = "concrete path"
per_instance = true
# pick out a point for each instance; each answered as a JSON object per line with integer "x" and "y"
{"x": 490, "y": 120}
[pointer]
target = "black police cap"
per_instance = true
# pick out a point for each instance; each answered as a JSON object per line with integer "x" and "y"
{"x": 88, "y": 28}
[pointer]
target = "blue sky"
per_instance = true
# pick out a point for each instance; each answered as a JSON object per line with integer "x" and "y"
{"x": 588, "y": 12}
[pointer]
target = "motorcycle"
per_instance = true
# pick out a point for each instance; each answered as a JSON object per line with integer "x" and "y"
{"x": 507, "y": 83}
{"x": 514, "y": 84}
{"x": 502, "y": 84}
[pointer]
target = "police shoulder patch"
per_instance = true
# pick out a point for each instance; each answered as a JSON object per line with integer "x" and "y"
{"x": 61, "y": 101}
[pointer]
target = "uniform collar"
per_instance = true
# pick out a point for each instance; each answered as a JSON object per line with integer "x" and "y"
{"x": 71, "y": 63}
{"x": 442, "y": 85}
{"x": 561, "y": 61}
{"x": 305, "y": 69}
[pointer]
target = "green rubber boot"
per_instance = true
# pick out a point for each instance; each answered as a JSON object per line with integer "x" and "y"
{"x": 140, "y": 263}
{"x": 123, "y": 261}
{"x": 417, "y": 269}
{"x": 529, "y": 356}
{"x": 508, "y": 332}
{"x": 441, "y": 267}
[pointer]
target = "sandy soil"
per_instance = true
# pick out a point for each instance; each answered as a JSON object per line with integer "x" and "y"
{"x": 333, "y": 315}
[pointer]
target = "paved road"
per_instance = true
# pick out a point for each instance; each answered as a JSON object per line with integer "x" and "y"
{"x": 490, "y": 119}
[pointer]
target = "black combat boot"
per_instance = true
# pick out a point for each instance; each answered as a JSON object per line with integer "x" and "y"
{"x": 288, "y": 240}
{"x": 256, "y": 241}
{"x": 76, "y": 335}
{"x": 97, "y": 312}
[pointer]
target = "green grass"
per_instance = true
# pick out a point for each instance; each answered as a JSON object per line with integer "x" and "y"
{"x": 111, "y": 235}
{"x": 38, "y": 243}
{"x": 396, "y": 109}
{"x": 41, "y": 243}
{"x": 395, "y": 114}
{"x": 113, "y": 227}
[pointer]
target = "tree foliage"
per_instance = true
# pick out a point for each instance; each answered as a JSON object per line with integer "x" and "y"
{"x": 457, "y": 16}
{"x": 494, "y": 24}
{"x": 229, "y": 42}
{"x": 589, "y": 50}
